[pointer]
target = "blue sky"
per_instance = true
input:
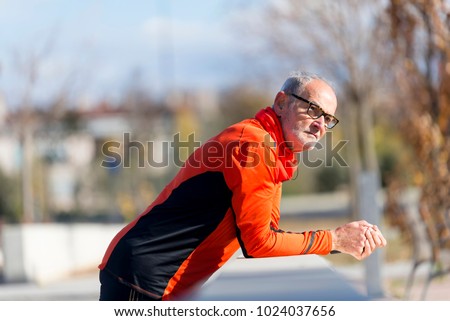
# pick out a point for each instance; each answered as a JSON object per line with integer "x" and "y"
{"x": 94, "y": 47}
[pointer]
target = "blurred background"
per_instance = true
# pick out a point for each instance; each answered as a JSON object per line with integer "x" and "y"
{"x": 101, "y": 101}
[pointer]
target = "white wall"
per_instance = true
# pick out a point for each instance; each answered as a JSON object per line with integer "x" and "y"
{"x": 43, "y": 253}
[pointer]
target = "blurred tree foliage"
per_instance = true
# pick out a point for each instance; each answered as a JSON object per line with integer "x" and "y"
{"x": 240, "y": 102}
{"x": 10, "y": 206}
{"x": 393, "y": 153}
{"x": 419, "y": 48}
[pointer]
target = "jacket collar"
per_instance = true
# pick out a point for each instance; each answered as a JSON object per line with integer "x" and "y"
{"x": 287, "y": 163}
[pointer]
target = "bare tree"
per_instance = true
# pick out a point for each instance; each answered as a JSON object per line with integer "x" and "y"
{"x": 30, "y": 119}
{"x": 28, "y": 68}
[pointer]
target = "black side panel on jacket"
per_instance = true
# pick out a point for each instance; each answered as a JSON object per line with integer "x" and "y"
{"x": 163, "y": 238}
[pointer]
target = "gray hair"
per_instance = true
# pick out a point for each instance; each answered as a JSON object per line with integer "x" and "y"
{"x": 297, "y": 81}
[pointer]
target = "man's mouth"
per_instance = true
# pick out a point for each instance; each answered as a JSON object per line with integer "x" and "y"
{"x": 312, "y": 134}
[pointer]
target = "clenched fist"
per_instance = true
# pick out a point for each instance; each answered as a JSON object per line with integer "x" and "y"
{"x": 358, "y": 239}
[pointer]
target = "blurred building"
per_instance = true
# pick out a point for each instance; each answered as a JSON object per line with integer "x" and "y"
{"x": 96, "y": 159}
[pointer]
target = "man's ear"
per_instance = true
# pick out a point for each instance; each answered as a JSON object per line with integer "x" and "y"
{"x": 279, "y": 103}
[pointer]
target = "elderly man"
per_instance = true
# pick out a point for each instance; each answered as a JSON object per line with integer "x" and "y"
{"x": 226, "y": 197}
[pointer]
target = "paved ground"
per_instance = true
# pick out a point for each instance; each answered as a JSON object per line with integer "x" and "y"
{"x": 395, "y": 276}
{"x": 85, "y": 287}
{"x": 77, "y": 288}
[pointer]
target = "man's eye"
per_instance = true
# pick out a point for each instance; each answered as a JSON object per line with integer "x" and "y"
{"x": 316, "y": 110}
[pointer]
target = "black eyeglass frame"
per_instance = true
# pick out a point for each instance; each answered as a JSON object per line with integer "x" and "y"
{"x": 310, "y": 103}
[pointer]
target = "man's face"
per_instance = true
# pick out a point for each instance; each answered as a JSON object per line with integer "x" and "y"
{"x": 301, "y": 132}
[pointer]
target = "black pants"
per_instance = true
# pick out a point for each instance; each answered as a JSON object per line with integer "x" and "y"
{"x": 112, "y": 289}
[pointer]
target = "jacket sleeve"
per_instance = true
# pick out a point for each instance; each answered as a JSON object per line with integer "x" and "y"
{"x": 252, "y": 179}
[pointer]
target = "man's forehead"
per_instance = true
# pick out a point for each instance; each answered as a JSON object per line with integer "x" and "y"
{"x": 322, "y": 94}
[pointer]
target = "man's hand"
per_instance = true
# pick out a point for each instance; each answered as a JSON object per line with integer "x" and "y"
{"x": 358, "y": 239}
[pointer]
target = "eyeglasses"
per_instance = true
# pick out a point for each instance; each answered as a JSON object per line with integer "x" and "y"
{"x": 314, "y": 111}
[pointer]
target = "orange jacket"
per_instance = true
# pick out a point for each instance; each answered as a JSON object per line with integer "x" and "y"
{"x": 226, "y": 196}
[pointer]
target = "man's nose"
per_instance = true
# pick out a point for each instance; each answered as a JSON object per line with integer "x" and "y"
{"x": 319, "y": 122}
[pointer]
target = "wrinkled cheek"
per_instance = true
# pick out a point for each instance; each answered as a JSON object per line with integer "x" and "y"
{"x": 298, "y": 138}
